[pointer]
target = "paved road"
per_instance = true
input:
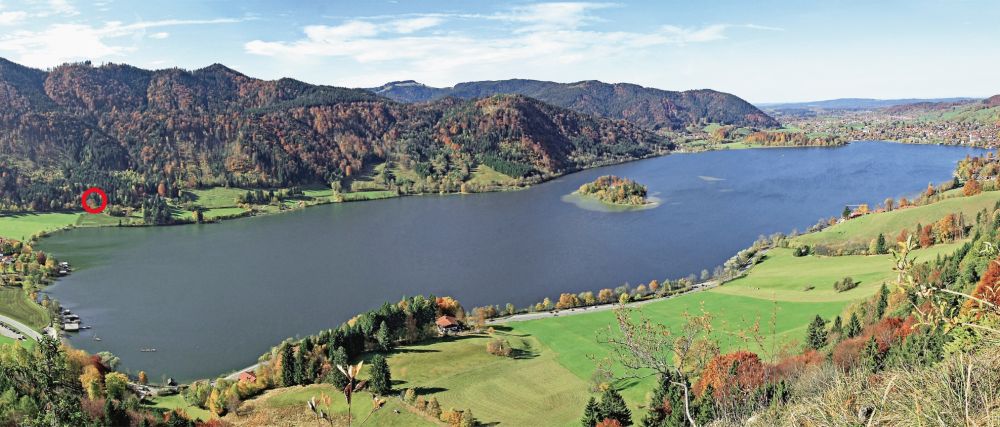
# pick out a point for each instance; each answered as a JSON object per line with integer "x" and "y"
{"x": 594, "y": 308}
{"x": 236, "y": 375}
{"x": 21, "y": 327}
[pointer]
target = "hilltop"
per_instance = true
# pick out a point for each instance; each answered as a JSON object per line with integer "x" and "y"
{"x": 647, "y": 107}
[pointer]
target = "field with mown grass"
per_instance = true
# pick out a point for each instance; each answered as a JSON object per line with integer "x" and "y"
{"x": 176, "y": 401}
{"x": 14, "y": 303}
{"x": 522, "y": 390}
{"x": 784, "y": 277}
{"x": 551, "y": 375}
{"x": 23, "y": 226}
{"x": 863, "y": 229}
{"x": 288, "y": 406}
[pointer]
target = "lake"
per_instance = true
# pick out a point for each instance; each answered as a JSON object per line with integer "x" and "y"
{"x": 212, "y": 298}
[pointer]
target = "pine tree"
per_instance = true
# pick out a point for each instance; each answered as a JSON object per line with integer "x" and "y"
{"x": 381, "y": 378}
{"x": 847, "y": 212}
{"x": 338, "y": 356}
{"x": 613, "y": 406}
{"x": 871, "y": 357}
{"x": 880, "y": 247}
{"x": 300, "y": 366}
{"x": 838, "y": 327}
{"x": 816, "y": 335}
{"x": 287, "y": 366}
{"x": 591, "y": 414}
{"x": 666, "y": 407}
{"x": 383, "y": 338}
{"x": 853, "y": 326}
{"x": 883, "y": 301}
{"x": 704, "y": 410}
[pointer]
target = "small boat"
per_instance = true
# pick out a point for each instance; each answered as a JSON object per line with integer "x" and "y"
{"x": 147, "y": 350}
{"x": 97, "y": 338}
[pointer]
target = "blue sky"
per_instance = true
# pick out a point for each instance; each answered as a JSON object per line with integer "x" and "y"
{"x": 764, "y": 51}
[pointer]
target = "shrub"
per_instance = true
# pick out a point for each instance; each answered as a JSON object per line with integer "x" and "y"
{"x": 845, "y": 284}
{"x": 499, "y": 347}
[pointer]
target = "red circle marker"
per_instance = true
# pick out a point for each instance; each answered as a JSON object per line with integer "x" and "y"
{"x": 104, "y": 200}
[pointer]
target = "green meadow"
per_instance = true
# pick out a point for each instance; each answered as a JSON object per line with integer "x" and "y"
{"x": 863, "y": 229}
{"x": 14, "y": 303}
{"x": 23, "y": 226}
{"x": 556, "y": 357}
{"x": 784, "y": 277}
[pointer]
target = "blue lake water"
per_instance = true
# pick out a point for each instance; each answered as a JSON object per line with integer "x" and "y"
{"x": 212, "y": 298}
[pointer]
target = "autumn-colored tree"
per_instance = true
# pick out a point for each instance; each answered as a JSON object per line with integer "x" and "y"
{"x": 654, "y": 286}
{"x": 115, "y": 384}
{"x": 641, "y": 290}
{"x": 161, "y": 189}
{"x": 450, "y": 307}
{"x": 216, "y": 403}
{"x": 946, "y": 229}
{"x": 926, "y": 236}
{"x": 143, "y": 379}
{"x": 609, "y": 422}
{"x": 740, "y": 371}
{"x": 971, "y": 188}
{"x": 889, "y": 203}
{"x": 987, "y": 291}
{"x": 91, "y": 380}
{"x": 903, "y": 235}
{"x": 930, "y": 190}
{"x": 605, "y": 295}
{"x": 567, "y": 300}
{"x": 451, "y": 417}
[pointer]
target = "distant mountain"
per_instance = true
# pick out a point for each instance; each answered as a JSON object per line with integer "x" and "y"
{"x": 647, "y": 107}
{"x": 79, "y": 125}
{"x": 856, "y": 103}
{"x": 409, "y": 91}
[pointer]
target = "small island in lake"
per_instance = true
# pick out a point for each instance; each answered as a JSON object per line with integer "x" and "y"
{"x": 616, "y": 191}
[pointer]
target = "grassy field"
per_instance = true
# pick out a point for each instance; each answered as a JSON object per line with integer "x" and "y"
{"x": 14, "y": 303}
{"x": 556, "y": 356}
{"x": 27, "y": 343}
{"x": 287, "y": 406}
{"x": 514, "y": 391}
{"x": 864, "y": 229}
{"x": 23, "y": 226}
{"x": 784, "y": 277}
{"x": 487, "y": 176}
{"x": 177, "y": 402}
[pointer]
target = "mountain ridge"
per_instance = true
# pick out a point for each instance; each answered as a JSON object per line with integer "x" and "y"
{"x": 139, "y": 132}
{"x": 648, "y": 107}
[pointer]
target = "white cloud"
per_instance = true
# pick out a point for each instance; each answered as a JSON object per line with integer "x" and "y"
{"x": 160, "y": 35}
{"x": 538, "y": 36}
{"x": 407, "y": 26}
{"x": 11, "y": 18}
{"x": 61, "y": 43}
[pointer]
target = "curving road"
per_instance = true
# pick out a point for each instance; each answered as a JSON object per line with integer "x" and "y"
{"x": 21, "y": 327}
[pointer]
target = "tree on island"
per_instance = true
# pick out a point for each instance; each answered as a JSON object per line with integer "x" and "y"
{"x": 615, "y": 190}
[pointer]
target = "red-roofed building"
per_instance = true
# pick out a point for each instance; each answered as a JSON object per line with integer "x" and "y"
{"x": 448, "y": 324}
{"x": 248, "y": 377}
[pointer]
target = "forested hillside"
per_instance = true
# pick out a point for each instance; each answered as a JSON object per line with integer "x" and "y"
{"x": 138, "y": 132}
{"x": 647, "y": 107}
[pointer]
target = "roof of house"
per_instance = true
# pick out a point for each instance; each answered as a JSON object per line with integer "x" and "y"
{"x": 446, "y": 321}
